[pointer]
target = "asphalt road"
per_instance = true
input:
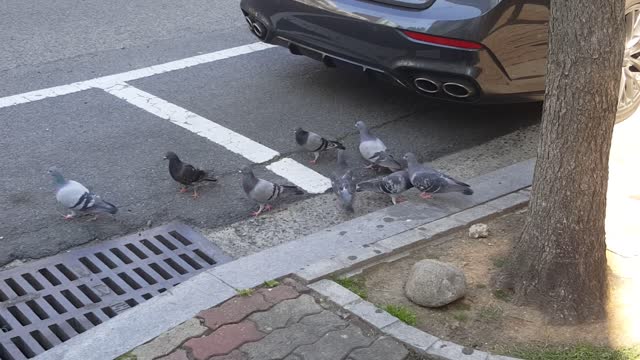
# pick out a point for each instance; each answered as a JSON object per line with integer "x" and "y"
{"x": 116, "y": 148}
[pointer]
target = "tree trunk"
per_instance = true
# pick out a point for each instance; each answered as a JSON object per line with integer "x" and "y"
{"x": 559, "y": 263}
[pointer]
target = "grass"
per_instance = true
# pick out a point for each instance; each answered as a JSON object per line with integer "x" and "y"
{"x": 490, "y": 313}
{"x": 271, "y": 283}
{"x": 461, "y": 316}
{"x": 245, "y": 292}
{"x": 403, "y": 313}
{"x": 580, "y": 352}
{"x": 356, "y": 286}
{"x": 502, "y": 295}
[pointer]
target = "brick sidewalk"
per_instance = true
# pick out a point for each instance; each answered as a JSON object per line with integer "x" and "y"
{"x": 286, "y": 322}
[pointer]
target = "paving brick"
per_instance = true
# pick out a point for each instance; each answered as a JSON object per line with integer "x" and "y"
{"x": 335, "y": 344}
{"x": 234, "y": 310}
{"x": 234, "y": 355}
{"x": 447, "y": 350}
{"x": 223, "y": 340}
{"x": 409, "y": 335}
{"x": 334, "y": 292}
{"x": 281, "y": 342}
{"x": 299, "y": 286}
{"x": 279, "y": 293}
{"x": 285, "y": 313}
{"x": 177, "y": 355}
{"x": 384, "y": 348}
{"x": 371, "y": 314}
{"x": 165, "y": 343}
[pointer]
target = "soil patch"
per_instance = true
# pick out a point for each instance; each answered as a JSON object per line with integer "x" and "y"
{"x": 485, "y": 319}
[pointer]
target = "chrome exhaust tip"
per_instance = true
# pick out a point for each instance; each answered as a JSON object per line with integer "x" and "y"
{"x": 257, "y": 27}
{"x": 427, "y": 85}
{"x": 457, "y": 90}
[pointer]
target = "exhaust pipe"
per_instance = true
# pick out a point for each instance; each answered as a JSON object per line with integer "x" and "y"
{"x": 257, "y": 27}
{"x": 427, "y": 85}
{"x": 457, "y": 90}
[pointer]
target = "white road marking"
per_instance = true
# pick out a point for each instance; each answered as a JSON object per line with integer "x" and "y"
{"x": 309, "y": 180}
{"x": 195, "y": 123}
{"x": 109, "y": 80}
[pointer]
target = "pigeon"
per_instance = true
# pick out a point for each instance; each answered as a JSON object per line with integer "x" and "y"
{"x": 393, "y": 184}
{"x": 263, "y": 191}
{"x": 430, "y": 181}
{"x": 374, "y": 150}
{"x": 77, "y": 197}
{"x": 186, "y": 174}
{"x": 342, "y": 183}
{"x": 315, "y": 143}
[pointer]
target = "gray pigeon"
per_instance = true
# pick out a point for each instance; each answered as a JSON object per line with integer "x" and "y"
{"x": 315, "y": 143}
{"x": 374, "y": 150}
{"x": 263, "y": 191}
{"x": 342, "y": 183}
{"x": 393, "y": 185}
{"x": 430, "y": 181}
{"x": 77, "y": 197}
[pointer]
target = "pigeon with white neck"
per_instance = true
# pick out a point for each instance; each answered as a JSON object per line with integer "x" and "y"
{"x": 77, "y": 197}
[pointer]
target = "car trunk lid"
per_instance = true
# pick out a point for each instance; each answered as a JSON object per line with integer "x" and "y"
{"x": 412, "y": 4}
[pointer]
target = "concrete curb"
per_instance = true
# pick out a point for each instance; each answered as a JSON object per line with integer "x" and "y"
{"x": 421, "y": 342}
{"x": 337, "y": 249}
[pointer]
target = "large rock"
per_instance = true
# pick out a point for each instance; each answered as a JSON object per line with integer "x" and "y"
{"x": 477, "y": 231}
{"x": 433, "y": 283}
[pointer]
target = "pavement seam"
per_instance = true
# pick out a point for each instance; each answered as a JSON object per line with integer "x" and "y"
{"x": 342, "y": 327}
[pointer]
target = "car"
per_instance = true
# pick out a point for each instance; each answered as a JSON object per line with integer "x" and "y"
{"x": 475, "y": 51}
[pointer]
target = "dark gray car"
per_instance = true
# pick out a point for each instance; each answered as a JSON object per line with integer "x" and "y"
{"x": 462, "y": 50}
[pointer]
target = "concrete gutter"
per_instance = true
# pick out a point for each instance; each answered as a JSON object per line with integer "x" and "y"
{"x": 336, "y": 249}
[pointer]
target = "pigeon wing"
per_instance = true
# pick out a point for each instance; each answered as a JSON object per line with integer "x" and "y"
{"x": 74, "y": 195}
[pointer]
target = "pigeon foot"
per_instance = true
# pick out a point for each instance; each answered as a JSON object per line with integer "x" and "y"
{"x": 183, "y": 190}
{"x": 426, "y": 196}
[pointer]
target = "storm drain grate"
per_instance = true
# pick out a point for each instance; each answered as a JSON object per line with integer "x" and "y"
{"x": 47, "y": 302}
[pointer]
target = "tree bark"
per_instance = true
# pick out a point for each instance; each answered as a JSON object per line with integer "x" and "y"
{"x": 559, "y": 263}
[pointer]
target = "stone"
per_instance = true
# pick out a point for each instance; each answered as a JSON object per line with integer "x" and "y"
{"x": 335, "y": 345}
{"x": 234, "y": 310}
{"x": 477, "y": 231}
{"x": 281, "y": 342}
{"x": 371, "y": 314}
{"x": 384, "y": 348}
{"x": 433, "y": 283}
{"x": 234, "y": 355}
{"x": 224, "y": 340}
{"x": 285, "y": 313}
{"x": 278, "y": 293}
{"x": 334, "y": 292}
{"x": 172, "y": 339}
{"x": 177, "y": 355}
{"x": 409, "y": 335}
{"x": 448, "y": 350}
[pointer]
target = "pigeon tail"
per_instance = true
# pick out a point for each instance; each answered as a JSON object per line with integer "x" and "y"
{"x": 467, "y": 191}
{"x": 335, "y": 145}
{"x": 211, "y": 179}
{"x": 106, "y": 206}
{"x": 368, "y": 185}
{"x": 290, "y": 189}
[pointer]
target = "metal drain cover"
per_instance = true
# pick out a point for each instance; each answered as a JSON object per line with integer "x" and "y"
{"x": 46, "y": 302}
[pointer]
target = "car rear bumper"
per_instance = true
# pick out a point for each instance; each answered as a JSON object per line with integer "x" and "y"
{"x": 367, "y": 35}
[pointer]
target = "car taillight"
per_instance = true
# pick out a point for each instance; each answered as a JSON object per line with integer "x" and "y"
{"x": 439, "y": 40}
